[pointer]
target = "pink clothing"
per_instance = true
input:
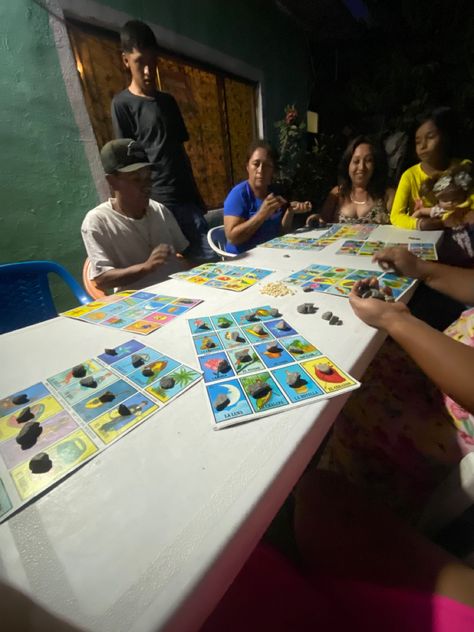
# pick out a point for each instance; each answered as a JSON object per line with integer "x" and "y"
{"x": 271, "y": 594}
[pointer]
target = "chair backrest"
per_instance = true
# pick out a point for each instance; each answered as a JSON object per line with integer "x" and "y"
{"x": 90, "y": 286}
{"x": 25, "y": 295}
{"x": 217, "y": 241}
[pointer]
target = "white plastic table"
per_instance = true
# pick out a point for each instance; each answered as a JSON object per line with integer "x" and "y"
{"x": 149, "y": 535}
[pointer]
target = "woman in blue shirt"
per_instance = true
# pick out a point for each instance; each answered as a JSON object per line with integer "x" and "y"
{"x": 253, "y": 215}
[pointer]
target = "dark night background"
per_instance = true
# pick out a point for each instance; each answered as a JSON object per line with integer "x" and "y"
{"x": 375, "y": 64}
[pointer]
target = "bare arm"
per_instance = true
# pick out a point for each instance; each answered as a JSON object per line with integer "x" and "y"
{"x": 448, "y": 363}
{"x": 294, "y": 208}
{"x": 126, "y": 276}
{"x": 458, "y": 283}
{"x": 330, "y": 206}
{"x": 239, "y": 230}
{"x": 389, "y": 195}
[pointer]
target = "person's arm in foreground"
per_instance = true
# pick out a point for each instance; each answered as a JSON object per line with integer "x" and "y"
{"x": 448, "y": 363}
{"x": 458, "y": 283}
{"x": 239, "y": 230}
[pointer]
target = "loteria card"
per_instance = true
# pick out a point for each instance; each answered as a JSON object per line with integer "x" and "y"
{"x": 138, "y": 312}
{"x": 367, "y": 248}
{"x": 223, "y": 276}
{"x": 66, "y": 455}
{"x": 339, "y": 281}
{"x": 325, "y": 373}
{"x": 296, "y": 383}
{"x": 112, "y": 424}
{"x": 173, "y": 383}
{"x": 263, "y": 366}
{"x": 80, "y": 411}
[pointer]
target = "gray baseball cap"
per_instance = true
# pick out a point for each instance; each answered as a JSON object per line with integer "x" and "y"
{"x": 124, "y": 155}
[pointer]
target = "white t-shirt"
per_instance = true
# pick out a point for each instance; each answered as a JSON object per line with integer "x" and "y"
{"x": 113, "y": 240}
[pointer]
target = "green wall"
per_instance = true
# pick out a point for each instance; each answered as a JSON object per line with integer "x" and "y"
{"x": 45, "y": 178}
{"x": 46, "y": 183}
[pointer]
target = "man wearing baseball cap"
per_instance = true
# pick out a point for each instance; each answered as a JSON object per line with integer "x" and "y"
{"x": 130, "y": 239}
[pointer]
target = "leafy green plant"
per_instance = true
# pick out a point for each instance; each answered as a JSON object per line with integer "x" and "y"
{"x": 306, "y": 170}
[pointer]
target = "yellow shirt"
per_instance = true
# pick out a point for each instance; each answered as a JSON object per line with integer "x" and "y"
{"x": 408, "y": 191}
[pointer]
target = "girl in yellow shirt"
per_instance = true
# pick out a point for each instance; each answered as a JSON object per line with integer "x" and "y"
{"x": 433, "y": 141}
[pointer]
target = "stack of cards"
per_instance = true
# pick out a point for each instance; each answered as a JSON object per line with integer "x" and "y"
{"x": 255, "y": 363}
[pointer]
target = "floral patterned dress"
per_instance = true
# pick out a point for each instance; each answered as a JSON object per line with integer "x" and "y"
{"x": 398, "y": 436}
{"x": 378, "y": 214}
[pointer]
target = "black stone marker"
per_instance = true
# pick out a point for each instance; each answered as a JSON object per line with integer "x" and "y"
{"x": 223, "y": 366}
{"x": 124, "y": 410}
{"x": 259, "y": 389}
{"x": 88, "y": 381}
{"x": 111, "y": 352}
{"x": 243, "y": 356}
{"x": 167, "y": 382}
{"x": 137, "y": 360}
{"x": 221, "y": 402}
{"x": 40, "y": 463}
{"x": 20, "y": 399}
{"x": 28, "y": 435}
{"x": 25, "y": 415}
{"x": 79, "y": 370}
{"x": 108, "y": 396}
{"x": 147, "y": 372}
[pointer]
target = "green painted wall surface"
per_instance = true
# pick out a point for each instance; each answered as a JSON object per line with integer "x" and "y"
{"x": 45, "y": 181}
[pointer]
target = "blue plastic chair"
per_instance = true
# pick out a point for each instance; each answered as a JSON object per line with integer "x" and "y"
{"x": 25, "y": 295}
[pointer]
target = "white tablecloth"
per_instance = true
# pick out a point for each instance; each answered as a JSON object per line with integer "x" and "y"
{"x": 150, "y": 534}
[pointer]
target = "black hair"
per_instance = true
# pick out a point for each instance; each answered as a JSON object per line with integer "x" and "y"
{"x": 378, "y": 182}
{"x": 445, "y": 121}
{"x": 138, "y": 35}
{"x": 260, "y": 143}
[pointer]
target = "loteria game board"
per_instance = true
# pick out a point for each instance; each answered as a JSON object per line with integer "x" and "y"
{"x": 294, "y": 242}
{"x": 339, "y": 281}
{"x": 369, "y": 248}
{"x": 120, "y": 389}
{"x": 335, "y": 232}
{"x": 223, "y": 276}
{"x": 139, "y": 312}
{"x": 255, "y": 363}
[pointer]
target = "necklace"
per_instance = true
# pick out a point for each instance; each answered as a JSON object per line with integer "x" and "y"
{"x": 357, "y": 201}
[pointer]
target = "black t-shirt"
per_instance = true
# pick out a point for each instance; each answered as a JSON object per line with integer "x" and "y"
{"x": 158, "y": 125}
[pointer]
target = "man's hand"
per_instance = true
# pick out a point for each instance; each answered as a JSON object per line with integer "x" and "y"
{"x": 401, "y": 261}
{"x": 301, "y": 207}
{"x": 271, "y": 204}
{"x": 373, "y": 311}
{"x": 159, "y": 255}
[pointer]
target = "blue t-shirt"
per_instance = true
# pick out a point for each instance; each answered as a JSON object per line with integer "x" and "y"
{"x": 241, "y": 202}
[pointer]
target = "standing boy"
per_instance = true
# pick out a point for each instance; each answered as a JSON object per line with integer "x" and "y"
{"x": 153, "y": 118}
